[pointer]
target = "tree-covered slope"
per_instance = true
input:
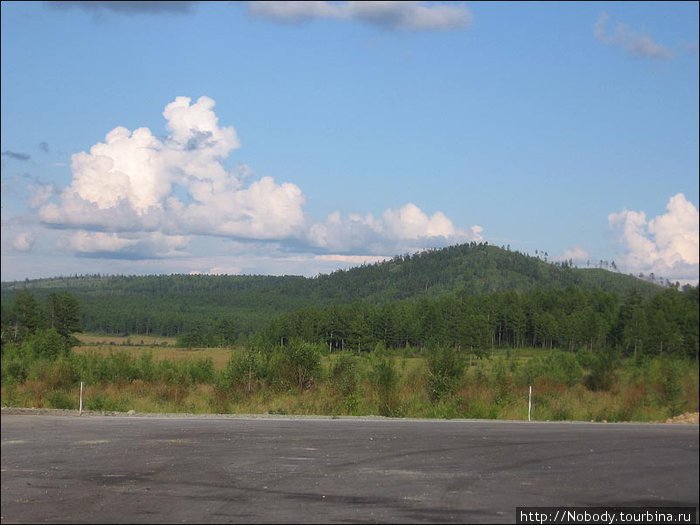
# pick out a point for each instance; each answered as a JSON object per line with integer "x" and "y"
{"x": 467, "y": 269}
{"x": 174, "y": 304}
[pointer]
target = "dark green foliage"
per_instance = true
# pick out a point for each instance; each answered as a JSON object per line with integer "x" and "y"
{"x": 63, "y": 314}
{"x": 502, "y": 382}
{"x": 445, "y": 369}
{"x": 59, "y": 374}
{"x": 120, "y": 367}
{"x": 557, "y": 367}
{"x": 602, "y": 369}
{"x": 386, "y": 381}
{"x": 24, "y": 318}
{"x": 15, "y": 363}
{"x": 344, "y": 379}
{"x": 105, "y": 403}
{"x": 245, "y": 370}
{"x": 61, "y": 399}
{"x": 47, "y": 344}
{"x": 569, "y": 319}
{"x": 26, "y": 321}
{"x": 221, "y": 308}
{"x": 671, "y": 371}
{"x": 343, "y": 375}
{"x": 300, "y": 363}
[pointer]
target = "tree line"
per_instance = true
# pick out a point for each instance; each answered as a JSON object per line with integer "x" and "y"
{"x": 45, "y": 328}
{"x": 568, "y": 319}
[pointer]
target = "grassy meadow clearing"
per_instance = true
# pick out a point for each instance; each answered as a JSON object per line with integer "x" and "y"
{"x": 161, "y": 348}
{"x": 150, "y": 374}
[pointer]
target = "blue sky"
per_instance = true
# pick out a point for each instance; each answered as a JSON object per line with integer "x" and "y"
{"x": 298, "y": 138}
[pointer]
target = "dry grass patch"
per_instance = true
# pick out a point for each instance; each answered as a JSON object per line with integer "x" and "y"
{"x": 127, "y": 340}
{"x": 219, "y": 356}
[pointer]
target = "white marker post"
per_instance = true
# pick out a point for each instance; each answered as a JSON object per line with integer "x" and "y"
{"x": 80, "y": 412}
{"x": 529, "y": 404}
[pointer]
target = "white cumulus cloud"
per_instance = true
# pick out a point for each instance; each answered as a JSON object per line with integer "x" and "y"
{"x": 137, "y": 195}
{"x": 412, "y": 16}
{"x": 666, "y": 245}
{"x": 634, "y": 43}
{"x": 128, "y": 183}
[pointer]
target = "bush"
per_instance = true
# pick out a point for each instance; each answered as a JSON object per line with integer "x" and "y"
{"x": 47, "y": 344}
{"x": 53, "y": 374}
{"x": 445, "y": 369}
{"x": 104, "y": 402}
{"x": 62, "y": 400}
{"x": 602, "y": 370}
{"x": 15, "y": 363}
{"x": 343, "y": 375}
{"x": 146, "y": 366}
{"x": 502, "y": 382}
{"x": 244, "y": 369}
{"x": 200, "y": 371}
{"x": 122, "y": 367}
{"x": 386, "y": 380}
{"x": 671, "y": 380}
{"x": 301, "y": 363}
{"x": 558, "y": 367}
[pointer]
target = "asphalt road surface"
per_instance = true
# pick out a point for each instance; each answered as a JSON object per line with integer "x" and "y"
{"x": 66, "y": 469}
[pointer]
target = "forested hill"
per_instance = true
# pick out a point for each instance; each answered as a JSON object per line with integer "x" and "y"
{"x": 174, "y": 304}
{"x": 467, "y": 269}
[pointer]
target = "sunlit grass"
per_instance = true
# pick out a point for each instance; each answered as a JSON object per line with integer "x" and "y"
{"x": 127, "y": 340}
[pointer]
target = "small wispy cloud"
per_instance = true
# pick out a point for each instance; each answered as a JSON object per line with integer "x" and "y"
{"x": 636, "y": 44}
{"x": 575, "y": 254}
{"x": 126, "y": 8}
{"x": 133, "y": 246}
{"x": 411, "y": 16}
{"x": 16, "y": 156}
{"x": 44, "y": 146}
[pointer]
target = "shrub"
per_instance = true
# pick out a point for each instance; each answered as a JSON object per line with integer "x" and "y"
{"x": 558, "y": 367}
{"x": 502, "y": 382}
{"x": 60, "y": 399}
{"x": 103, "y": 402}
{"x": 386, "y": 380}
{"x": 122, "y": 367}
{"x": 301, "y": 363}
{"x": 47, "y": 344}
{"x": 146, "y": 367}
{"x": 671, "y": 380}
{"x": 244, "y": 369}
{"x": 15, "y": 363}
{"x": 445, "y": 369}
{"x": 343, "y": 375}
{"x": 565, "y": 368}
{"x": 200, "y": 370}
{"x": 602, "y": 371}
{"x": 53, "y": 374}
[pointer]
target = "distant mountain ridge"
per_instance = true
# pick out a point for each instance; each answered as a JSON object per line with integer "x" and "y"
{"x": 170, "y": 304}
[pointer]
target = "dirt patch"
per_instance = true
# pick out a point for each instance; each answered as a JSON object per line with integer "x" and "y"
{"x": 689, "y": 418}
